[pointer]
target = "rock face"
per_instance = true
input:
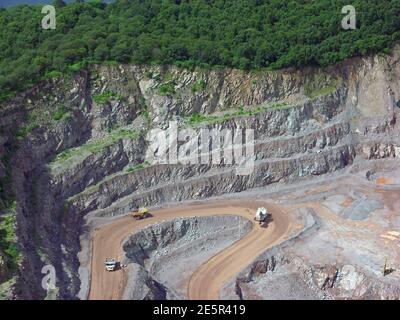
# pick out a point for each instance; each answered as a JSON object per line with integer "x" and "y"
{"x": 293, "y": 278}
{"x": 77, "y": 146}
{"x": 321, "y": 262}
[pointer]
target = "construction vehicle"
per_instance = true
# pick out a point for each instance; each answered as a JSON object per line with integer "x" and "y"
{"x": 261, "y": 215}
{"x": 140, "y": 213}
{"x": 111, "y": 265}
{"x": 386, "y": 270}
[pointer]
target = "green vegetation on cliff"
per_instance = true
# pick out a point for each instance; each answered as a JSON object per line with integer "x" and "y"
{"x": 8, "y": 239}
{"x": 198, "y": 118}
{"x": 246, "y": 34}
{"x": 70, "y": 156}
{"x": 105, "y": 97}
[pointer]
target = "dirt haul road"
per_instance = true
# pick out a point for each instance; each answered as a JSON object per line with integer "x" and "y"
{"x": 206, "y": 282}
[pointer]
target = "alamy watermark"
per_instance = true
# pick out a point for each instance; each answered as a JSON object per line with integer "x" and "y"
{"x": 49, "y": 280}
{"x": 234, "y": 147}
{"x": 349, "y": 22}
{"x": 49, "y": 20}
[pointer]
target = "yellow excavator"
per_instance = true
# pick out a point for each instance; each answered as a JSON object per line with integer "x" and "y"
{"x": 140, "y": 213}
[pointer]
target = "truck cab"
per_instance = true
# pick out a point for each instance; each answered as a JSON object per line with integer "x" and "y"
{"x": 261, "y": 215}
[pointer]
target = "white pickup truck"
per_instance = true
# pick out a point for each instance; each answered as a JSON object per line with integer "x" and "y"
{"x": 111, "y": 265}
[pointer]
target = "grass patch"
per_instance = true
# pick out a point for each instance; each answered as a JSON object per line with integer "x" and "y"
{"x": 199, "y": 86}
{"x": 109, "y": 63}
{"x": 106, "y": 97}
{"x": 321, "y": 92}
{"x": 146, "y": 116}
{"x": 95, "y": 146}
{"x": 167, "y": 89}
{"x": 60, "y": 113}
{"x": 76, "y": 67}
{"x": 4, "y": 96}
{"x": 200, "y": 118}
{"x": 53, "y": 75}
{"x": 315, "y": 89}
{"x": 197, "y": 118}
{"x": 137, "y": 167}
{"x": 144, "y": 111}
{"x": 25, "y": 129}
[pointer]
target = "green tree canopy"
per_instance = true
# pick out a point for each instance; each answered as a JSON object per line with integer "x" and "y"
{"x": 246, "y": 34}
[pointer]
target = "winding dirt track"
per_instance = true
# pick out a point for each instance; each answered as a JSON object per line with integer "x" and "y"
{"x": 206, "y": 282}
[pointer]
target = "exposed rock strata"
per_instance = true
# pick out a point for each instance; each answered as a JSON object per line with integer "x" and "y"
{"x": 306, "y": 130}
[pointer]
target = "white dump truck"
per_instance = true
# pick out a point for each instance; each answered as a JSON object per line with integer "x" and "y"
{"x": 111, "y": 265}
{"x": 261, "y": 215}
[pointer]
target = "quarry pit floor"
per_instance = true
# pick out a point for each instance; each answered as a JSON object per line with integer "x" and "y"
{"x": 358, "y": 224}
{"x": 207, "y": 281}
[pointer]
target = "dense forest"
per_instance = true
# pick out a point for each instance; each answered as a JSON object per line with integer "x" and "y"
{"x": 245, "y": 34}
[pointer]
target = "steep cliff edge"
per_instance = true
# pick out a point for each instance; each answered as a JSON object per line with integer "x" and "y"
{"x": 76, "y": 146}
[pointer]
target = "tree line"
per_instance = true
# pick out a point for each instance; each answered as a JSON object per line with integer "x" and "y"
{"x": 244, "y": 34}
